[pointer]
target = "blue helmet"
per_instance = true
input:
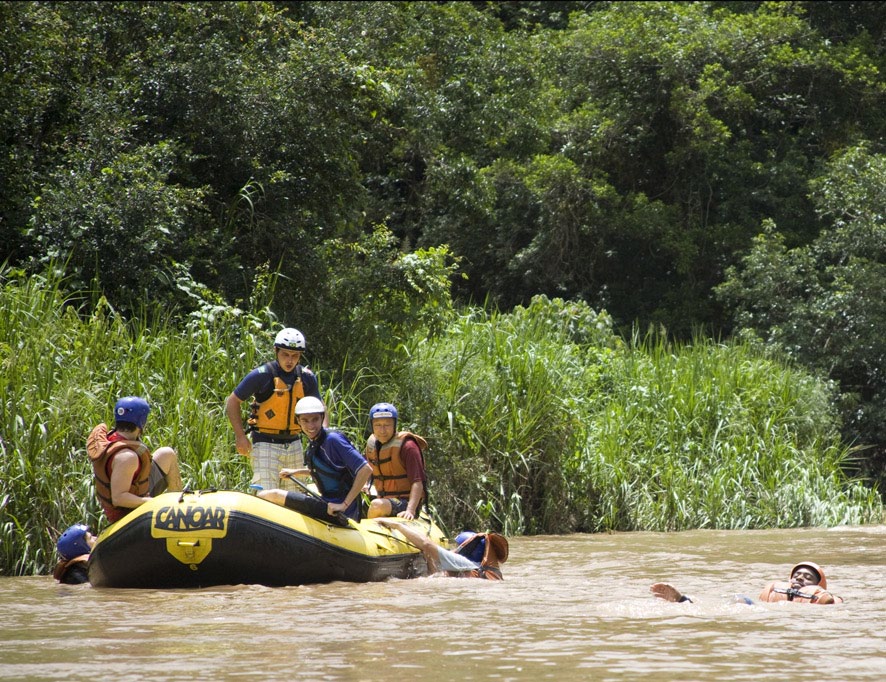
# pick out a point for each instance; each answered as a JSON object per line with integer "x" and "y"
{"x": 462, "y": 537}
{"x": 471, "y": 545}
{"x": 132, "y": 409}
{"x": 382, "y": 410}
{"x": 72, "y": 542}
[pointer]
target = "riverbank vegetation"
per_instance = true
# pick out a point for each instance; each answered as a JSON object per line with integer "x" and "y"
{"x": 541, "y": 420}
{"x": 476, "y": 209}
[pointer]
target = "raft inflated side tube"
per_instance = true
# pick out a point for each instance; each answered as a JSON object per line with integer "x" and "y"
{"x": 185, "y": 540}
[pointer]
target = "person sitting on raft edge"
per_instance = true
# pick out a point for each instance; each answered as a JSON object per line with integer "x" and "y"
{"x": 398, "y": 466}
{"x": 336, "y": 466}
{"x": 126, "y": 473}
{"x": 807, "y": 584}
{"x": 477, "y": 555}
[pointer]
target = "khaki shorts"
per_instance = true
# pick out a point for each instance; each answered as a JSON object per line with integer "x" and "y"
{"x": 157, "y": 483}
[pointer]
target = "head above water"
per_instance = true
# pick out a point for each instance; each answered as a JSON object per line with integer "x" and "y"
{"x": 132, "y": 410}
{"x": 462, "y": 537}
{"x": 466, "y": 545}
{"x": 73, "y": 542}
{"x": 809, "y": 573}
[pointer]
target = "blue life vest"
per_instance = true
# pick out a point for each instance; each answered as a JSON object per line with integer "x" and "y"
{"x": 334, "y": 482}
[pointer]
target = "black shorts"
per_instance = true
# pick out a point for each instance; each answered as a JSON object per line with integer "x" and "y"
{"x": 313, "y": 507}
{"x": 401, "y": 504}
{"x": 157, "y": 482}
{"x": 398, "y": 504}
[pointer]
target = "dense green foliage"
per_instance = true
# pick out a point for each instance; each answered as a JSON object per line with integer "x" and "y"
{"x": 624, "y": 154}
{"x": 553, "y": 423}
{"x": 822, "y": 302}
{"x": 540, "y": 420}
{"x": 370, "y": 171}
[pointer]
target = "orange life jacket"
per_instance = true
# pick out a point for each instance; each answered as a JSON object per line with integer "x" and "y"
{"x": 388, "y": 470}
{"x": 810, "y": 594}
{"x": 494, "y": 555}
{"x": 275, "y": 415}
{"x": 101, "y": 446}
{"x": 63, "y": 569}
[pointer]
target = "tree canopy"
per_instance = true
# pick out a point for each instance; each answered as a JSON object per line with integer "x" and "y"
{"x": 694, "y": 165}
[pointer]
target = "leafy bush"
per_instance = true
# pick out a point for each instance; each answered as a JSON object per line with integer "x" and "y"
{"x": 540, "y": 420}
{"x": 821, "y": 302}
{"x": 65, "y": 359}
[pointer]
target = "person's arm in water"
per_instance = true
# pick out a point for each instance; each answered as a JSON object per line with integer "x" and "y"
{"x": 420, "y": 540}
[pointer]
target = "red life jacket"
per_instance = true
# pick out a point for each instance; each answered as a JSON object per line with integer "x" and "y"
{"x": 101, "y": 446}
{"x": 63, "y": 570}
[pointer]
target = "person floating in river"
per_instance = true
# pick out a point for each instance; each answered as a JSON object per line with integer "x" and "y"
{"x": 331, "y": 460}
{"x": 477, "y": 555}
{"x": 807, "y": 584}
{"x": 127, "y": 474}
{"x": 398, "y": 466}
{"x": 74, "y": 546}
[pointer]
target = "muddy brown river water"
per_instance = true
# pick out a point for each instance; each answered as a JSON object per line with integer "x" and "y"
{"x": 573, "y": 607}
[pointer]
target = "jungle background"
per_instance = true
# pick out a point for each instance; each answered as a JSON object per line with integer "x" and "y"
{"x": 621, "y": 263}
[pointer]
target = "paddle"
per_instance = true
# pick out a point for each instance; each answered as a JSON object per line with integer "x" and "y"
{"x": 793, "y": 592}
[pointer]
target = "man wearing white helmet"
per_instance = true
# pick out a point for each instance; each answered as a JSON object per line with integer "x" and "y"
{"x": 276, "y": 387}
{"x": 335, "y": 465}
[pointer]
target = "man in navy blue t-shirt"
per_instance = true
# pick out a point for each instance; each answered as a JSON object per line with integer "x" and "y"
{"x": 276, "y": 387}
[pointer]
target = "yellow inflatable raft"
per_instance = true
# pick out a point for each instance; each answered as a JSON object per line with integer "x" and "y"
{"x": 200, "y": 539}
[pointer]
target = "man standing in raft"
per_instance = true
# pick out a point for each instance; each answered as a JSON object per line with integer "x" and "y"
{"x": 126, "y": 473}
{"x": 276, "y": 387}
{"x": 807, "y": 584}
{"x": 477, "y": 555}
{"x": 398, "y": 466}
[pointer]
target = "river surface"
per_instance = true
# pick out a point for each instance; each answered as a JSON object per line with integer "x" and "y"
{"x": 573, "y": 607}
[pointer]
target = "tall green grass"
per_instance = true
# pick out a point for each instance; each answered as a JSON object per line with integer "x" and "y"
{"x": 709, "y": 435}
{"x": 539, "y": 421}
{"x": 500, "y": 398}
{"x": 543, "y": 421}
{"x": 64, "y": 361}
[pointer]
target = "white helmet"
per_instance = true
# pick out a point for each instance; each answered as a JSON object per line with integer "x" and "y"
{"x": 309, "y": 405}
{"x": 290, "y": 339}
